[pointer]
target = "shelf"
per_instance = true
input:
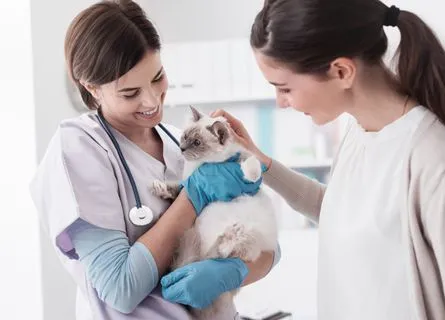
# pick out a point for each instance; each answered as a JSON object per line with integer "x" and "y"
{"x": 231, "y": 100}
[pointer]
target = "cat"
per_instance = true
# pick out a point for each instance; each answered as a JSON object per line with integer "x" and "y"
{"x": 242, "y": 228}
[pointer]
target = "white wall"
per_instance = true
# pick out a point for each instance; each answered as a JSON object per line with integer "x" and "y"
{"x": 49, "y": 19}
{"x": 20, "y": 285}
{"x": 201, "y": 20}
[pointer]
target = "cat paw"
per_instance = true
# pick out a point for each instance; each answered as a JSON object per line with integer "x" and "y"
{"x": 251, "y": 168}
{"x": 239, "y": 242}
{"x": 161, "y": 190}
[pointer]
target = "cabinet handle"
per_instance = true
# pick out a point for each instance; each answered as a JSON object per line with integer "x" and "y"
{"x": 187, "y": 85}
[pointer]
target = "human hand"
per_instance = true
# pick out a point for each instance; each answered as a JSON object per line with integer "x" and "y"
{"x": 242, "y": 137}
{"x": 198, "y": 284}
{"x": 221, "y": 181}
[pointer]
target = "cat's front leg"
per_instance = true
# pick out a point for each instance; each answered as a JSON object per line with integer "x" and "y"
{"x": 165, "y": 190}
{"x": 237, "y": 241}
{"x": 251, "y": 168}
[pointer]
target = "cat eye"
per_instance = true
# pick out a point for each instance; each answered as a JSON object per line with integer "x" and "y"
{"x": 196, "y": 143}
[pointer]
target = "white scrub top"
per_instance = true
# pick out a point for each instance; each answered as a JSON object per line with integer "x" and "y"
{"x": 81, "y": 176}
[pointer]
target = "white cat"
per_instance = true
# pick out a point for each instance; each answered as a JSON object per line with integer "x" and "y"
{"x": 242, "y": 228}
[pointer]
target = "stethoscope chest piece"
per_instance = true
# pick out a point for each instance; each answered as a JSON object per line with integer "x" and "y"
{"x": 141, "y": 216}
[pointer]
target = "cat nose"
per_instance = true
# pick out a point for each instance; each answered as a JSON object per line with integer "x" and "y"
{"x": 182, "y": 149}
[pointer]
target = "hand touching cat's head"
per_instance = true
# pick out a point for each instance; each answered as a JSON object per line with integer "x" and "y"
{"x": 206, "y": 138}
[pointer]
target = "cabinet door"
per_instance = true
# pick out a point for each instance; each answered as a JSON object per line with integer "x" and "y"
{"x": 202, "y": 70}
{"x": 186, "y": 73}
{"x": 189, "y": 67}
{"x": 260, "y": 88}
{"x": 240, "y": 69}
{"x": 171, "y": 67}
{"x": 221, "y": 71}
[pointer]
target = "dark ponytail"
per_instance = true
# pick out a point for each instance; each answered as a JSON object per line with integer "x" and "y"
{"x": 308, "y": 35}
{"x": 421, "y": 68}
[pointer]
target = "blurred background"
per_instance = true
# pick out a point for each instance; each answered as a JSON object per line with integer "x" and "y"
{"x": 209, "y": 64}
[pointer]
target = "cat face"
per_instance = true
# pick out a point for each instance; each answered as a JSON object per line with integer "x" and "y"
{"x": 204, "y": 138}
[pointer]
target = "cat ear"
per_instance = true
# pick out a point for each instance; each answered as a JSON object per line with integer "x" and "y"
{"x": 220, "y": 130}
{"x": 196, "y": 114}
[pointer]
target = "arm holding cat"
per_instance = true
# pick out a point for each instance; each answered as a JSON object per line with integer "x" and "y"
{"x": 197, "y": 193}
{"x": 136, "y": 268}
{"x": 262, "y": 266}
{"x": 123, "y": 274}
{"x": 199, "y": 283}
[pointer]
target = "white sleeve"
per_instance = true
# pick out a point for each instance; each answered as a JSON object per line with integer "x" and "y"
{"x": 433, "y": 216}
{"x": 76, "y": 180}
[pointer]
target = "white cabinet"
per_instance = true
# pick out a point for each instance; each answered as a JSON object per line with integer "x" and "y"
{"x": 220, "y": 72}
{"x": 213, "y": 72}
{"x": 201, "y": 66}
{"x": 187, "y": 78}
{"x": 240, "y": 68}
{"x": 247, "y": 80}
{"x": 179, "y": 62}
{"x": 260, "y": 88}
{"x": 171, "y": 67}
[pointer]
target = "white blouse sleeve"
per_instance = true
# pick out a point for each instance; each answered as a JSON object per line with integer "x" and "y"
{"x": 76, "y": 180}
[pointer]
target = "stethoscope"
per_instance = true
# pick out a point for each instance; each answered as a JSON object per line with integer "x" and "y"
{"x": 139, "y": 215}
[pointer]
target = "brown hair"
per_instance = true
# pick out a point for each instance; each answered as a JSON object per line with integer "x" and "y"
{"x": 308, "y": 35}
{"x": 105, "y": 41}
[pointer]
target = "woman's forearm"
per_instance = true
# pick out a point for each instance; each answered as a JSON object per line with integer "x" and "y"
{"x": 163, "y": 238}
{"x": 259, "y": 268}
{"x": 301, "y": 193}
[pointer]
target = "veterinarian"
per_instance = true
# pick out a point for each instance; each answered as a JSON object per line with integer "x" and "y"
{"x": 91, "y": 189}
{"x": 381, "y": 218}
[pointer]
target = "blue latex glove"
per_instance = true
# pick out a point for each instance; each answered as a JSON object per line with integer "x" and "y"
{"x": 221, "y": 181}
{"x": 200, "y": 283}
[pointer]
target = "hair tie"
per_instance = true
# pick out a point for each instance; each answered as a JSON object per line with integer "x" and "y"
{"x": 391, "y": 17}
